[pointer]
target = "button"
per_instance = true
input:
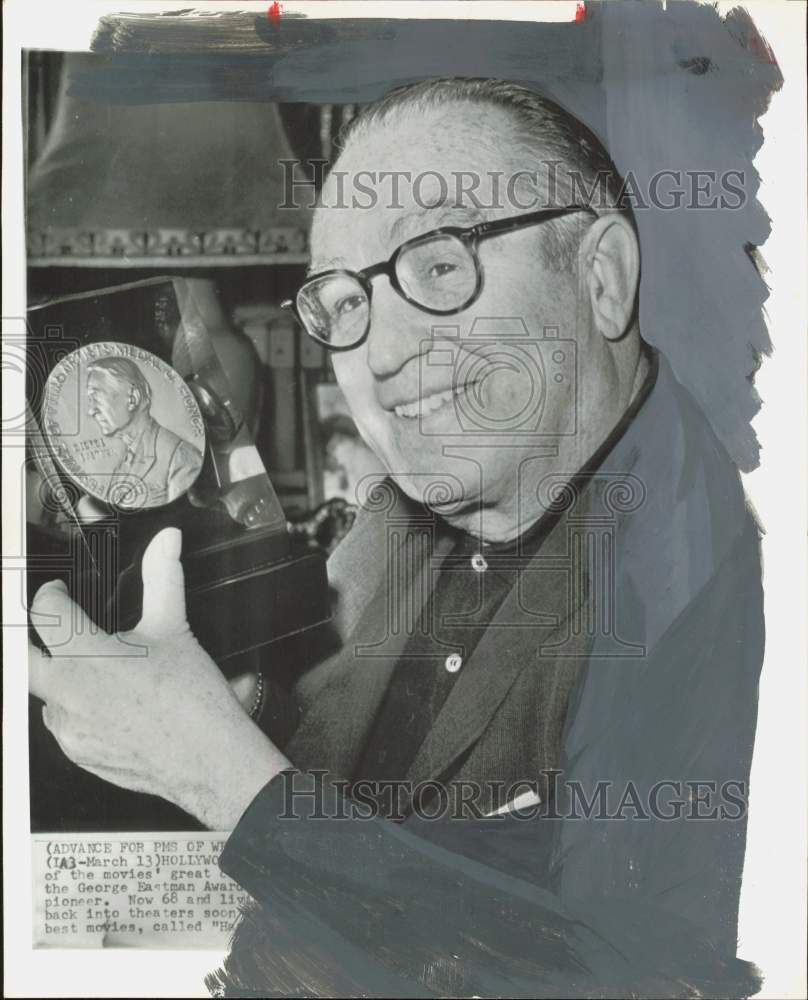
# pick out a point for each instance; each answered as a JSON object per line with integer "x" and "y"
{"x": 478, "y": 563}
{"x": 453, "y": 663}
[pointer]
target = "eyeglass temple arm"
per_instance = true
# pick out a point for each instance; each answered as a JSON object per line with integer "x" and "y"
{"x": 517, "y": 222}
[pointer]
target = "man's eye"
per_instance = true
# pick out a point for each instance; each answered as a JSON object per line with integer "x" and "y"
{"x": 441, "y": 269}
{"x": 348, "y": 304}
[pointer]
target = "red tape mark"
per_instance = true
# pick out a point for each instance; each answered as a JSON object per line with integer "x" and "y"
{"x": 580, "y": 11}
{"x": 274, "y": 13}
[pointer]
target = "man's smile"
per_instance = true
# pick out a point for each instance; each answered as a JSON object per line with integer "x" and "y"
{"x": 427, "y": 405}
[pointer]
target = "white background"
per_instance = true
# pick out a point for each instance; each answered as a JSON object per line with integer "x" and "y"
{"x": 772, "y": 919}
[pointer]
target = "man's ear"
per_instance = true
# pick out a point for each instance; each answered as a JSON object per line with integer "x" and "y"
{"x": 134, "y": 398}
{"x": 611, "y": 256}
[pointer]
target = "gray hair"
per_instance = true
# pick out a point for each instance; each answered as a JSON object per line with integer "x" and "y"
{"x": 124, "y": 370}
{"x": 544, "y": 132}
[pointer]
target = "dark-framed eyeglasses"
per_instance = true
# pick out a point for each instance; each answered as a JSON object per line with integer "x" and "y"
{"x": 438, "y": 272}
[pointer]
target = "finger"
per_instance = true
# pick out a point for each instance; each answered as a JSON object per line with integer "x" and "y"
{"x": 52, "y": 717}
{"x": 121, "y": 777}
{"x": 40, "y": 672}
{"x": 58, "y": 725}
{"x": 163, "y": 585}
{"x": 60, "y": 622}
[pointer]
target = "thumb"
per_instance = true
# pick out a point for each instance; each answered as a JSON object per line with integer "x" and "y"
{"x": 60, "y": 623}
{"x": 163, "y": 585}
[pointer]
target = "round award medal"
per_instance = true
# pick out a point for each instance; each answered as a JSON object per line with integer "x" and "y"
{"x": 123, "y": 425}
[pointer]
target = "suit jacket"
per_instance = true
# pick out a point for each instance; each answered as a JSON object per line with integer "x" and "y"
{"x": 638, "y": 624}
{"x": 157, "y": 469}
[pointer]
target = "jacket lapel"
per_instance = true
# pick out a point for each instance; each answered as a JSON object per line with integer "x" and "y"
{"x": 333, "y": 731}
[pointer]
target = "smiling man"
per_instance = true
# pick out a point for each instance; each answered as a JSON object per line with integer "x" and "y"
{"x": 517, "y": 763}
{"x": 448, "y": 263}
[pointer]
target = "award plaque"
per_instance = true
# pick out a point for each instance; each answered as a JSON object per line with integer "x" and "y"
{"x": 134, "y": 426}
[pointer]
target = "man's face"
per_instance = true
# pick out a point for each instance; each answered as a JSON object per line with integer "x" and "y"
{"x": 438, "y": 405}
{"x": 109, "y": 403}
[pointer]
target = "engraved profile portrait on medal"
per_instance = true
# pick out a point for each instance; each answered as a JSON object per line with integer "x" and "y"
{"x": 123, "y": 425}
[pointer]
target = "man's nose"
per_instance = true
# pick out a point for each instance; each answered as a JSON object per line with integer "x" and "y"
{"x": 397, "y": 330}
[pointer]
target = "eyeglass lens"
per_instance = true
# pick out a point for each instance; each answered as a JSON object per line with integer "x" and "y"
{"x": 438, "y": 273}
{"x": 334, "y": 309}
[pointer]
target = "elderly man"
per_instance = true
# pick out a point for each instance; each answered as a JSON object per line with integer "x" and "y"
{"x": 548, "y": 627}
{"x": 155, "y": 464}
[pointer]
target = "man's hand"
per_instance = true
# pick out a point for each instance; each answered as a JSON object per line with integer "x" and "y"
{"x": 148, "y": 709}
